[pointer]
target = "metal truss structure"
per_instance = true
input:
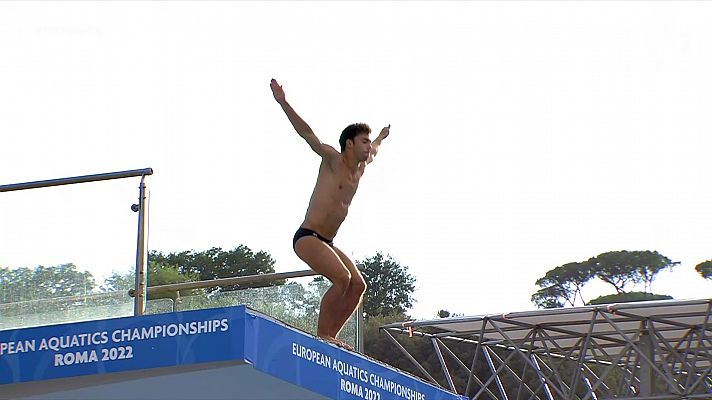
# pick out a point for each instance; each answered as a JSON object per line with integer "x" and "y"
{"x": 655, "y": 350}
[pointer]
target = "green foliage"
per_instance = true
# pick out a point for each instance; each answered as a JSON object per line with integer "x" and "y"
{"x": 188, "y": 266}
{"x": 562, "y": 285}
{"x": 164, "y": 274}
{"x": 705, "y": 269}
{"x": 293, "y": 303}
{"x": 614, "y": 268}
{"x": 549, "y": 297}
{"x": 311, "y": 299}
{"x": 390, "y": 287}
{"x": 619, "y": 268}
{"x": 118, "y": 281}
{"x": 217, "y": 263}
{"x": 158, "y": 274}
{"x": 628, "y": 297}
{"x": 447, "y": 314}
{"x": 649, "y": 264}
{"x": 23, "y": 284}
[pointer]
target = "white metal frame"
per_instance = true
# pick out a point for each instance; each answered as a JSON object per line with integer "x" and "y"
{"x": 655, "y": 350}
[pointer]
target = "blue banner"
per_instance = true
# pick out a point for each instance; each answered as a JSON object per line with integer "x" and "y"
{"x": 325, "y": 369}
{"x": 122, "y": 344}
{"x": 202, "y": 336}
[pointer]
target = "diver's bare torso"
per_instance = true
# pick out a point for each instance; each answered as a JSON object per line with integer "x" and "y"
{"x": 335, "y": 188}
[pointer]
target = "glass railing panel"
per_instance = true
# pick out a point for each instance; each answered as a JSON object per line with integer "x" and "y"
{"x": 158, "y": 306}
{"x": 59, "y": 310}
{"x": 293, "y": 303}
{"x": 57, "y": 247}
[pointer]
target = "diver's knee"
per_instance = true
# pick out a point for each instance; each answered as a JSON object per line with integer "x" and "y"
{"x": 341, "y": 282}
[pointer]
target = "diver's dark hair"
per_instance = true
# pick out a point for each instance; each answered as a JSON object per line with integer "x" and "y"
{"x": 351, "y": 131}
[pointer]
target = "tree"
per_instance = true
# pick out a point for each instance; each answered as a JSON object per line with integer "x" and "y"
{"x": 649, "y": 264}
{"x": 628, "y": 297}
{"x": 705, "y": 269}
{"x": 165, "y": 274}
{"x": 562, "y": 285}
{"x": 312, "y": 294}
{"x": 615, "y": 268}
{"x": 619, "y": 268}
{"x": 118, "y": 281}
{"x": 447, "y": 314}
{"x": 390, "y": 287}
{"x": 157, "y": 274}
{"x": 22, "y": 284}
{"x": 217, "y": 263}
{"x": 549, "y": 297}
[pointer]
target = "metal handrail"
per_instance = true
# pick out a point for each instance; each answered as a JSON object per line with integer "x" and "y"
{"x": 259, "y": 278}
{"x": 235, "y": 280}
{"x": 76, "y": 179}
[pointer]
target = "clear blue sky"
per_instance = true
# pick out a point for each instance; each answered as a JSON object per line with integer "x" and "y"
{"x": 525, "y": 135}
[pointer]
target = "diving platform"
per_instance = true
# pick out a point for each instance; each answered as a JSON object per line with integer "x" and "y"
{"x": 216, "y": 353}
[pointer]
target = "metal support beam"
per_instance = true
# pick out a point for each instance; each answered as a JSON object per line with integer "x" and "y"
{"x": 472, "y": 377}
{"x": 650, "y": 362}
{"x": 359, "y": 327}
{"x": 647, "y": 378}
{"x": 495, "y": 373}
{"x": 464, "y": 367}
{"x": 547, "y": 390}
{"x": 236, "y": 280}
{"x": 443, "y": 365}
{"x": 560, "y": 391}
{"x": 141, "y": 250}
{"x": 582, "y": 356}
{"x": 413, "y": 360}
{"x": 76, "y": 179}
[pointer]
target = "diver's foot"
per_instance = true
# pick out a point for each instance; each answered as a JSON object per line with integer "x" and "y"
{"x": 337, "y": 342}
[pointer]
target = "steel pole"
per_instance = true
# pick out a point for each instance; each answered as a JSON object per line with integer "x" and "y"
{"x": 141, "y": 252}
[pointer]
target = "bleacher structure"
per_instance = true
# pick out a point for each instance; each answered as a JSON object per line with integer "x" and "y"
{"x": 647, "y": 350}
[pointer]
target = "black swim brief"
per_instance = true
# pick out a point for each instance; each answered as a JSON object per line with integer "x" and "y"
{"x": 301, "y": 232}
